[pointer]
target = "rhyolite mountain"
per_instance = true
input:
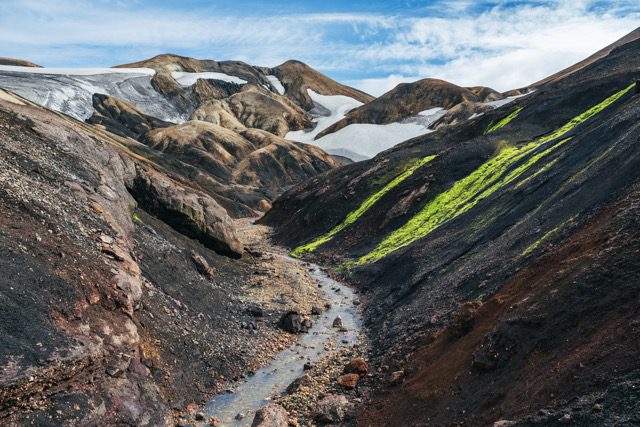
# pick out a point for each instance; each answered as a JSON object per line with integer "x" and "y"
{"x": 495, "y": 254}
{"x": 497, "y": 258}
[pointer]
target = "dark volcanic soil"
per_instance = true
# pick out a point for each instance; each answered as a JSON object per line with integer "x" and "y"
{"x": 521, "y": 304}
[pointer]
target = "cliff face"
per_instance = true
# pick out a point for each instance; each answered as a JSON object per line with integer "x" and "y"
{"x": 494, "y": 255}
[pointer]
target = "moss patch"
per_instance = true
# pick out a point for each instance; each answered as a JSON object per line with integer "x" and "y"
{"x": 499, "y": 171}
{"x": 503, "y": 122}
{"x": 365, "y": 206}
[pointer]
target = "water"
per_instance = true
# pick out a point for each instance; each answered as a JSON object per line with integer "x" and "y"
{"x": 273, "y": 379}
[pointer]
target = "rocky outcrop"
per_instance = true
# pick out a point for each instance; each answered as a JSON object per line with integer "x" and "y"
{"x": 254, "y": 107}
{"x": 122, "y": 118}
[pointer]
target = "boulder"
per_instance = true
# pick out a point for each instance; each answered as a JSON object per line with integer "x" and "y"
{"x": 337, "y": 322}
{"x": 333, "y": 409}
{"x": 271, "y": 415}
{"x": 357, "y": 365}
{"x": 291, "y": 321}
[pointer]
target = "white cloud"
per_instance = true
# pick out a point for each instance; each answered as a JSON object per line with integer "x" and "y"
{"x": 510, "y": 45}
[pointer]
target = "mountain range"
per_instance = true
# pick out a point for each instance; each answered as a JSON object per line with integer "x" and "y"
{"x": 491, "y": 239}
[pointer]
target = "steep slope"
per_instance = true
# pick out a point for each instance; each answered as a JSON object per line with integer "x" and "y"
{"x": 298, "y": 78}
{"x": 449, "y": 237}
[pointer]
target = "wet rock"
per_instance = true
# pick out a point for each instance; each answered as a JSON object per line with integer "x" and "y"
{"x": 306, "y": 325}
{"x": 332, "y": 409}
{"x": 181, "y": 423}
{"x": 308, "y": 366}
{"x": 202, "y": 265}
{"x": 316, "y": 311}
{"x": 199, "y": 416}
{"x": 240, "y": 416}
{"x": 356, "y": 365}
{"x": 291, "y": 322}
{"x": 337, "y": 322}
{"x": 348, "y": 381}
{"x": 271, "y": 415}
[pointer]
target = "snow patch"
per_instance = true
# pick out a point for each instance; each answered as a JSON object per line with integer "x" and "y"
{"x": 328, "y": 110}
{"x": 360, "y": 141}
{"x": 189, "y": 79}
{"x": 78, "y": 71}
{"x": 500, "y": 102}
{"x": 276, "y": 83}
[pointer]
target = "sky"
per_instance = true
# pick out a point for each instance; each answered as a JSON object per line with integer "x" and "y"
{"x": 372, "y": 45}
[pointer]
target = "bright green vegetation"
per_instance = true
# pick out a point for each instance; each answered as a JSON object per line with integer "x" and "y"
{"x": 545, "y": 236}
{"x": 502, "y": 123}
{"x": 354, "y": 215}
{"x": 499, "y": 171}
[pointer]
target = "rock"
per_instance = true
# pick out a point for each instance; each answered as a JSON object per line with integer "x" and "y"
{"x": 199, "y": 416}
{"x": 357, "y": 365}
{"x": 337, "y": 322}
{"x": 597, "y": 407}
{"x": 503, "y": 423}
{"x": 181, "y": 423}
{"x": 256, "y": 311}
{"x": 264, "y": 205}
{"x": 213, "y": 422}
{"x": 308, "y": 366}
{"x": 240, "y": 416}
{"x": 202, "y": 265}
{"x": 316, "y": 311}
{"x": 271, "y": 415}
{"x": 565, "y": 419}
{"x": 306, "y": 325}
{"x": 357, "y": 302}
{"x": 348, "y": 381}
{"x": 291, "y": 322}
{"x": 395, "y": 378}
{"x": 298, "y": 383}
{"x": 332, "y": 409}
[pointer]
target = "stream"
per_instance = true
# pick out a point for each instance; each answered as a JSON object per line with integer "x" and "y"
{"x": 272, "y": 379}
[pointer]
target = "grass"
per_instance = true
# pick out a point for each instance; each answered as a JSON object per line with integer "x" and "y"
{"x": 499, "y": 171}
{"x": 502, "y": 123}
{"x": 532, "y": 247}
{"x": 364, "y": 207}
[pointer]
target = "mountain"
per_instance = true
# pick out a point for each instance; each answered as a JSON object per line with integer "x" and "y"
{"x": 17, "y": 62}
{"x": 496, "y": 259}
{"x": 409, "y": 99}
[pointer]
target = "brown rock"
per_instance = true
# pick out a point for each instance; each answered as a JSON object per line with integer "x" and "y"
{"x": 264, "y": 205}
{"x": 348, "y": 380}
{"x": 202, "y": 265}
{"x": 271, "y": 415}
{"x": 356, "y": 366}
{"x": 332, "y": 409}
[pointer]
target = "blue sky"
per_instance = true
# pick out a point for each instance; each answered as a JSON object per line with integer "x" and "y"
{"x": 372, "y": 44}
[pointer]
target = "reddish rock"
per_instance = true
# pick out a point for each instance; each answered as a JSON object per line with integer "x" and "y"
{"x": 348, "y": 380}
{"x": 356, "y": 366}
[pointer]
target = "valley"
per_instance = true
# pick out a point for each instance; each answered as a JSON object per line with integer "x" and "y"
{"x": 192, "y": 242}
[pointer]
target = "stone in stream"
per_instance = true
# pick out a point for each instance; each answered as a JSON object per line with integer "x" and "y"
{"x": 337, "y": 322}
{"x": 271, "y": 415}
{"x": 316, "y": 311}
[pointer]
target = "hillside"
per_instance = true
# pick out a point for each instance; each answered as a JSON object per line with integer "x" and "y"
{"x": 495, "y": 257}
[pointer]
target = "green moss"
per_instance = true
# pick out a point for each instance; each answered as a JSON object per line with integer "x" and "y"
{"x": 136, "y": 218}
{"x": 365, "y": 206}
{"x": 502, "y": 123}
{"x": 532, "y": 247}
{"x": 499, "y": 171}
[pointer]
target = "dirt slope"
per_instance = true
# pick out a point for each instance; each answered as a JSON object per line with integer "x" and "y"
{"x": 494, "y": 256}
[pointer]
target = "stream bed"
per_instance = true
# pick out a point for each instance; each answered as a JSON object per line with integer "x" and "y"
{"x": 273, "y": 379}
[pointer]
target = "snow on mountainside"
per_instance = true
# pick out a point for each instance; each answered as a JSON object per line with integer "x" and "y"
{"x": 70, "y": 90}
{"x": 189, "y": 79}
{"x": 359, "y": 141}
